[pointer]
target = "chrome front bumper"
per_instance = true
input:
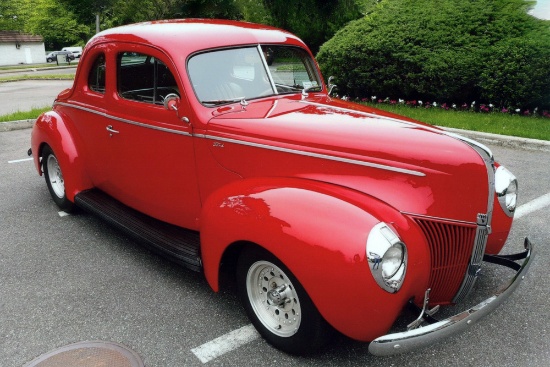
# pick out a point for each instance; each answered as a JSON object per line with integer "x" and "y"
{"x": 424, "y": 336}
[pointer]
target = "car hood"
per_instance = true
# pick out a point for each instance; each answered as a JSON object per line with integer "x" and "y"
{"x": 411, "y": 166}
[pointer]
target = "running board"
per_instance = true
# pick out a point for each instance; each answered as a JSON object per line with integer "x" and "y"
{"x": 178, "y": 244}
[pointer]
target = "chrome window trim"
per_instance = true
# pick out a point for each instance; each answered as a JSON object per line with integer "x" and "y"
{"x": 266, "y": 69}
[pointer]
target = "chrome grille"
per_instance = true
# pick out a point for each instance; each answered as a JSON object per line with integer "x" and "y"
{"x": 482, "y": 232}
{"x": 451, "y": 247}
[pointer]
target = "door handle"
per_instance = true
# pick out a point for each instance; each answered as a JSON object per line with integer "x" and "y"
{"x": 111, "y": 130}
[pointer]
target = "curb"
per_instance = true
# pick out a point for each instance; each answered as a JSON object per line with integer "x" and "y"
{"x": 16, "y": 125}
{"x": 486, "y": 138}
{"x": 503, "y": 140}
{"x": 32, "y": 70}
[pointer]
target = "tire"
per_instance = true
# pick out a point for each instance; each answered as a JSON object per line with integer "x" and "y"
{"x": 54, "y": 179}
{"x": 278, "y": 305}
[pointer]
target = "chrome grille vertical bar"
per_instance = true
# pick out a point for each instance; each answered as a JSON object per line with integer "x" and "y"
{"x": 483, "y": 222}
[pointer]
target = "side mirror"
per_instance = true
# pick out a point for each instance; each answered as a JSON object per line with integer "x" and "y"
{"x": 172, "y": 102}
{"x": 331, "y": 86}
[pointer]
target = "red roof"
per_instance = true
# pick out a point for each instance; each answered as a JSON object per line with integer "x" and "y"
{"x": 16, "y": 36}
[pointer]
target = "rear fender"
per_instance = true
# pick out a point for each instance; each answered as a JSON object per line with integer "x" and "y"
{"x": 319, "y": 231}
{"x": 51, "y": 129}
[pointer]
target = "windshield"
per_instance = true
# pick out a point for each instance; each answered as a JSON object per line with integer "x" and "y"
{"x": 230, "y": 75}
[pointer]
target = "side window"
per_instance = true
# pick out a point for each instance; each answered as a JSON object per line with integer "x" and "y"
{"x": 96, "y": 79}
{"x": 144, "y": 78}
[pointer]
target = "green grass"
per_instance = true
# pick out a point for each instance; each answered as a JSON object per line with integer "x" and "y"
{"x": 495, "y": 122}
{"x": 37, "y": 66}
{"x": 26, "y": 66}
{"x": 16, "y": 78}
{"x": 28, "y": 115}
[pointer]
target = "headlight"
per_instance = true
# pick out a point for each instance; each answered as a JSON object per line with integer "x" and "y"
{"x": 506, "y": 188}
{"x": 387, "y": 257}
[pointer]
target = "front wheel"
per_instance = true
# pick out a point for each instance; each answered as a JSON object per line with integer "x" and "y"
{"x": 278, "y": 305}
{"x": 54, "y": 179}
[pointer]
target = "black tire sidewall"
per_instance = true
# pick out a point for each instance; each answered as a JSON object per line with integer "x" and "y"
{"x": 314, "y": 331}
{"x": 62, "y": 202}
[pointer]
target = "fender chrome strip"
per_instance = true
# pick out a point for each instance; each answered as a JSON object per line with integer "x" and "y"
{"x": 316, "y": 155}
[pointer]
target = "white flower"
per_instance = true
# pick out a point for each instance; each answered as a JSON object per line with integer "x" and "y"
{"x": 434, "y": 104}
{"x": 373, "y": 98}
{"x": 454, "y": 105}
{"x": 420, "y": 103}
{"x": 491, "y": 105}
{"x": 401, "y": 100}
{"x": 518, "y": 110}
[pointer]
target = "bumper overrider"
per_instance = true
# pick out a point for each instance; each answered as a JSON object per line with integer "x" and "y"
{"x": 435, "y": 331}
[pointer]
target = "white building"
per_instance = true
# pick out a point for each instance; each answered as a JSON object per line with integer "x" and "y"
{"x": 20, "y": 48}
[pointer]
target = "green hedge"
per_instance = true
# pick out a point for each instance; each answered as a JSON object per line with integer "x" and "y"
{"x": 446, "y": 50}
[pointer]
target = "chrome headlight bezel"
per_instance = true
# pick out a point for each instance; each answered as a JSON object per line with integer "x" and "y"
{"x": 506, "y": 189}
{"x": 387, "y": 257}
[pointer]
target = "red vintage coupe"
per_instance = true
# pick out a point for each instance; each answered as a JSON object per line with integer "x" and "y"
{"x": 218, "y": 142}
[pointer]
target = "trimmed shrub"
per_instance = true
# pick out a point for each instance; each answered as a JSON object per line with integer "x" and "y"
{"x": 445, "y": 50}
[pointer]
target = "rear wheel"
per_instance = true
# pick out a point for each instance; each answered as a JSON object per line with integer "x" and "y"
{"x": 278, "y": 305}
{"x": 54, "y": 179}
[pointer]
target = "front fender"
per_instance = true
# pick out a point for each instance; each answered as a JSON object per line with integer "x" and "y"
{"x": 319, "y": 232}
{"x": 50, "y": 128}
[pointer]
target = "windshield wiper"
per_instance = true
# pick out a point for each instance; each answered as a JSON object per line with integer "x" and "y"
{"x": 217, "y": 102}
{"x": 317, "y": 88}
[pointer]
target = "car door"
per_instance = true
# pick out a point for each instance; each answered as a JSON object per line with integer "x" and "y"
{"x": 151, "y": 162}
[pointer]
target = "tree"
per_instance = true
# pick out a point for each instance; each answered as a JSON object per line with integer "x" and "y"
{"x": 133, "y": 11}
{"x": 254, "y": 11}
{"x": 57, "y": 25}
{"x": 12, "y": 15}
{"x": 315, "y": 21}
{"x": 88, "y": 12}
{"x": 445, "y": 50}
{"x": 222, "y": 9}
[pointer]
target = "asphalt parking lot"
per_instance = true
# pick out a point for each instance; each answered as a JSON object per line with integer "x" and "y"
{"x": 66, "y": 279}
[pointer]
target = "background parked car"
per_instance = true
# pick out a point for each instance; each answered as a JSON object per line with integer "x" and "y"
{"x": 77, "y": 51}
{"x": 60, "y": 55}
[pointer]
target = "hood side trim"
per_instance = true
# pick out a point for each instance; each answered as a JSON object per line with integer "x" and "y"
{"x": 315, "y": 155}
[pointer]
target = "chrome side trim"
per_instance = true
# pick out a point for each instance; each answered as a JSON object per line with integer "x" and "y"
{"x": 247, "y": 143}
{"x": 131, "y": 122}
{"x": 428, "y": 128}
{"x": 315, "y": 155}
{"x": 424, "y": 336}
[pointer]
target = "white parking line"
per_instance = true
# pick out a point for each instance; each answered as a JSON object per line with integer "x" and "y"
{"x": 20, "y": 160}
{"x": 237, "y": 338}
{"x": 225, "y": 343}
{"x": 533, "y": 206}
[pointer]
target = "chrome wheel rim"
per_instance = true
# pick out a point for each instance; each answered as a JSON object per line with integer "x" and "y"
{"x": 273, "y": 298}
{"x": 55, "y": 176}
